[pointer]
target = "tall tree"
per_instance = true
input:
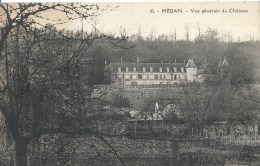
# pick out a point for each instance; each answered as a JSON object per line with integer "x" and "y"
{"x": 187, "y": 33}
{"x": 45, "y": 86}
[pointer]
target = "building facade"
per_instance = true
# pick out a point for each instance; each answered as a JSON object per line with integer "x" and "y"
{"x": 157, "y": 73}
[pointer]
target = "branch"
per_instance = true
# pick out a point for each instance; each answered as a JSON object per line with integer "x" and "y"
{"x": 6, "y": 12}
{"x": 112, "y": 148}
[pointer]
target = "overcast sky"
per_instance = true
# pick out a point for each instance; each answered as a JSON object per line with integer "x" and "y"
{"x": 131, "y": 16}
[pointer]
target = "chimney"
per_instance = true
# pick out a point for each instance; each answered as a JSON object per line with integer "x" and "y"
{"x": 156, "y": 106}
{"x": 137, "y": 60}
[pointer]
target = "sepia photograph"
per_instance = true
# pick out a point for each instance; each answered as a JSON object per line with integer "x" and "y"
{"x": 130, "y": 84}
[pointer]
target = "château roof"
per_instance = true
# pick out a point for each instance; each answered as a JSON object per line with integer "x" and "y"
{"x": 155, "y": 66}
{"x": 191, "y": 63}
{"x": 225, "y": 63}
{"x": 219, "y": 64}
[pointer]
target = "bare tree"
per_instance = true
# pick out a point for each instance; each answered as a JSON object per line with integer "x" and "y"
{"x": 187, "y": 34}
{"x": 175, "y": 36}
{"x": 200, "y": 36}
{"x": 45, "y": 86}
{"x": 211, "y": 35}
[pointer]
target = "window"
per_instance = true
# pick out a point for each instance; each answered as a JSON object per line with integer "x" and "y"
{"x": 182, "y": 76}
{"x": 156, "y": 76}
{"x": 119, "y": 69}
{"x": 134, "y": 69}
{"x": 127, "y": 76}
{"x": 139, "y": 76}
{"x": 151, "y": 77}
{"x": 175, "y": 69}
{"x": 151, "y": 69}
{"x": 168, "y": 76}
{"x": 144, "y": 69}
{"x": 126, "y": 69}
{"x": 160, "y": 69}
{"x": 175, "y": 77}
{"x": 120, "y": 76}
{"x": 182, "y": 69}
{"x": 168, "y": 70}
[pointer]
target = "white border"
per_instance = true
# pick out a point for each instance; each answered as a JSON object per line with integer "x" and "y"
{"x": 186, "y": 1}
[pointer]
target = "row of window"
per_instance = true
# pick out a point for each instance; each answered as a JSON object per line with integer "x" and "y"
{"x": 152, "y": 76}
{"x": 151, "y": 69}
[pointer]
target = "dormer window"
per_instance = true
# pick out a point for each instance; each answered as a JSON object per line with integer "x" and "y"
{"x": 134, "y": 69}
{"x": 182, "y": 69}
{"x": 160, "y": 69}
{"x": 175, "y": 69}
{"x": 119, "y": 69}
{"x": 151, "y": 69}
{"x": 167, "y": 69}
{"x": 126, "y": 69}
{"x": 144, "y": 69}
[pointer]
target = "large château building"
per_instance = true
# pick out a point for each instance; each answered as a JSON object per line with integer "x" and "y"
{"x": 159, "y": 73}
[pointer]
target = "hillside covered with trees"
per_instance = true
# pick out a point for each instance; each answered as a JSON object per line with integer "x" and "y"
{"x": 243, "y": 57}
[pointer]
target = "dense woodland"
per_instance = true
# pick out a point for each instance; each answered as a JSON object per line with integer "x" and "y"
{"x": 243, "y": 57}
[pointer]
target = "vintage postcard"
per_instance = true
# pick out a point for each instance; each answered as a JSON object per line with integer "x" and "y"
{"x": 169, "y": 84}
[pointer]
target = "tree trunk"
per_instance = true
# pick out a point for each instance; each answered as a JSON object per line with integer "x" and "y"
{"x": 21, "y": 152}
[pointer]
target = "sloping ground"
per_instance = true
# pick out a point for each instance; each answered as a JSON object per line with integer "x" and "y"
{"x": 137, "y": 96}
